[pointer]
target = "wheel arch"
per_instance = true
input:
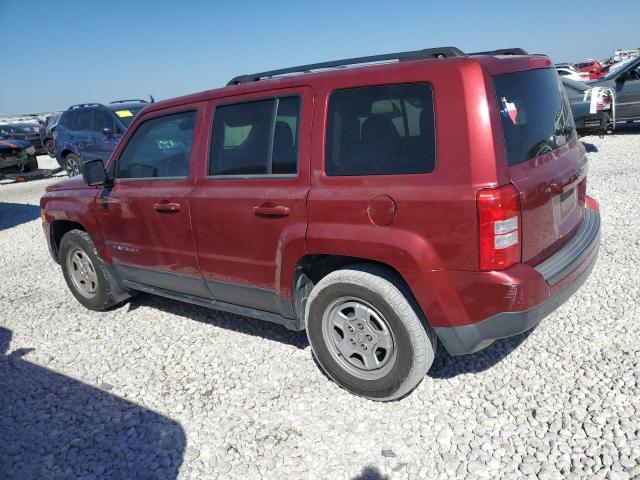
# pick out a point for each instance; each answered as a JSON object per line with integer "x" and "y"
{"x": 58, "y": 229}
{"x": 311, "y": 268}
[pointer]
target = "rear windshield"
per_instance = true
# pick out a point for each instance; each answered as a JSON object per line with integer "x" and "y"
{"x": 534, "y": 112}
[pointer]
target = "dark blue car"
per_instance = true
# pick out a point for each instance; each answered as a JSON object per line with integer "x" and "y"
{"x": 91, "y": 131}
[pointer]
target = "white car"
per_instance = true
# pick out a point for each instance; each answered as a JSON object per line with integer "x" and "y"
{"x": 572, "y": 74}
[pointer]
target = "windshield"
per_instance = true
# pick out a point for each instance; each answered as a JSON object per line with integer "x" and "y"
{"x": 614, "y": 68}
{"x": 535, "y": 113}
{"x": 126, "y": 115}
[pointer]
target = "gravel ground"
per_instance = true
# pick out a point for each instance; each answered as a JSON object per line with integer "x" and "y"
{"x": 160, "y": 389}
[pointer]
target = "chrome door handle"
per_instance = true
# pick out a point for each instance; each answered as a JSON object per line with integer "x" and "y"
{"x": 271, "y": 210}
{"x": 166, "y": 207}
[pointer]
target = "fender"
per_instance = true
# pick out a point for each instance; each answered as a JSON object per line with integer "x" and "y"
{"x": 406, "y": 252}
{"x": 75, "y": 206}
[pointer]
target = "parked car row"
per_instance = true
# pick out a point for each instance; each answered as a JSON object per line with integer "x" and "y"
{"x": 592, "y": 69}
{"x": 597, "y": 105}
{"x": 46, "y": 130}
{"x": 24, "y": 132}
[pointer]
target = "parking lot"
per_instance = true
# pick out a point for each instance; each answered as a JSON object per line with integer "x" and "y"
{"x": 161, "y": 389}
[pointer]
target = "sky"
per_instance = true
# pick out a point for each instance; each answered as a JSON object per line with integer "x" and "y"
{"x": 61, "y": 52}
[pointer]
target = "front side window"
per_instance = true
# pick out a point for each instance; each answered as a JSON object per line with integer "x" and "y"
{"x": 102, "y": 120}
{"x": 381, "y": 130}
{"x": 255, "y": 138}
{"x": 159, "y": 148}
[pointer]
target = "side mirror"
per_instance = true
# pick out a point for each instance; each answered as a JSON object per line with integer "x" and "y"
{"x": 94, "y": 173}
{"x": 107, "y": 131}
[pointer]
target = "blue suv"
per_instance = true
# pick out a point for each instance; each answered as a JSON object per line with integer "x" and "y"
{"x": 91, "y": 131}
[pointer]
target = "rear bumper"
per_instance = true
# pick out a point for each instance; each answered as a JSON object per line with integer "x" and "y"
{"x": 599, "y": 121}
{"x": 563, "y": 274}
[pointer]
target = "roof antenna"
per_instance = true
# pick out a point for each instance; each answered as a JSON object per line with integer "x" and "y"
{"x": 151, "y": 99}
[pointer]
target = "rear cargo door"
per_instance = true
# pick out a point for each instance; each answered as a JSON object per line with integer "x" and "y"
{"x": 547, "y": 163}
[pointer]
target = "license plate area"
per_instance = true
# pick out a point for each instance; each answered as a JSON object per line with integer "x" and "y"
{"x": 568, "y": 201}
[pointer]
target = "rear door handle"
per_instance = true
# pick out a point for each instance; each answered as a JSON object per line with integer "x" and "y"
{"x": 166, "y": 207}
{"x": 271, "y": 210}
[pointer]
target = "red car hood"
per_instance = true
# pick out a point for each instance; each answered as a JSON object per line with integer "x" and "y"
{"x": 74, "y": 183}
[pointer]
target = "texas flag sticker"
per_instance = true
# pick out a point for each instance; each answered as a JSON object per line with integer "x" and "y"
{"x": 509, "y": 110}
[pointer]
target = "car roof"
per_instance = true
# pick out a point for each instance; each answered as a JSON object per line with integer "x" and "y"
{"x": 126, "y": 106}
{"x": 494, "y": 64}
{"x": 118, "y": 105}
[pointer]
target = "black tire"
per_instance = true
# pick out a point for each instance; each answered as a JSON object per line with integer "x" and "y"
{"x": 72, "y": 165}
{"x": 107, "y": 292}
{"x": 381, "y": 289}
{"x": 50, "y": 147}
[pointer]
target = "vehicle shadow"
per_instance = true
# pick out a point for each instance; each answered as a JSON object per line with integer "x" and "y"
{"x": 14, "y": 214}
{"x": 590, "y": 147}
{"x": 370, "y": 473}
{"x": 627, "y": 129}
{"x": 448, "y": 366}
{"x": 228, "y": 321}
{"x": 53, "y": 426}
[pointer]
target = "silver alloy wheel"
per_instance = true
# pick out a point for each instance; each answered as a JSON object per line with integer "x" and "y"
{"x": 359, "y": 338}
{"x": 72, "y": 167}
{"x": 82, "y": 272}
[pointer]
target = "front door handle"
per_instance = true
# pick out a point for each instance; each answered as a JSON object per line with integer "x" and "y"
{"x": 166, "y": 207}
{"x": 269, "y": 209}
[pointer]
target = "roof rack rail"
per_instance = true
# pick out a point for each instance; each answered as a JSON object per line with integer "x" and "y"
{"x": 501, "y": 51}
{"x": 129, "y": 101}
{"x": 82, "y": 105}
{"x": 400, "y": 56}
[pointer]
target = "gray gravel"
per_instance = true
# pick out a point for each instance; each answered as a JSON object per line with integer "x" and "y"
{"x": 159, "y": 389}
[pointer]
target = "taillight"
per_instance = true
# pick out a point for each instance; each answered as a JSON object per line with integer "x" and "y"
{"x": 499, "y": 227}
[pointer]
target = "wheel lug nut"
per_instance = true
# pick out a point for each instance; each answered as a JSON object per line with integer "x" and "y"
{"x": 350, "y": 328}
{"x": 353, "y": 342}
{"x": 369, "y": 337}
{"x": 360, "y": 326}
{"x": 364, "y": 347}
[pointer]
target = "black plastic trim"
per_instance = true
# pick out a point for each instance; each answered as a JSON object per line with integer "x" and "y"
{"x": 251, "y": 297}
{"x": 290, "y": 323}
{"x": 501, "y": 51}
{"x": 558, "y": 266}
{"x": 411, "y": 55}
{"x": 237, "y": 298}
{"x": 186, "y": 284}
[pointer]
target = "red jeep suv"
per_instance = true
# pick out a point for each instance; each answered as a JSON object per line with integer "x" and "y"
{"x": 379, "y": 203}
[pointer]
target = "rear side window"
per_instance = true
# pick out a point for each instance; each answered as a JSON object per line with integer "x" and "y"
{"x": 382, "y": 130}
{"x": 66, "y": 120}
{"x": 82, "y": 121}
{"x": 159, "y": 148}
{"x": 256, "y": 138}
{"x": 534, "y": 113}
